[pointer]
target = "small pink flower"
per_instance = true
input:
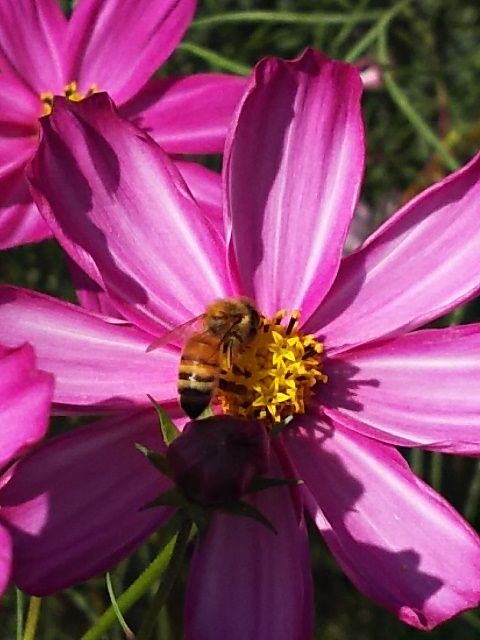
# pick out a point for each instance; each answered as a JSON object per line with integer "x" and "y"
{"x": 292, "y": 172}
{"x": 107, "y": 45}
{"x": 25, "y": 395}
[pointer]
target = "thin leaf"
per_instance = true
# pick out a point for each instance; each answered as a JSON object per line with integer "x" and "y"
{"x": 165, "y": 543}
{"x": 214, "y": 59}
{"x": 169, "y": 429}
{"x": 170, "y": 498}
{"x": 121, "y": 620}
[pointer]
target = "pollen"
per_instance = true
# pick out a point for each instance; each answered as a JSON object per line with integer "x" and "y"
{"x": 70, "y": 92}
{"x": 274, "y": 376}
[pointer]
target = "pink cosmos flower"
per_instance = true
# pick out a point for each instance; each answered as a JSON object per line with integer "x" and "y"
{"x": 25, "y": 396}
{"x": 107, "y": 45}
{"x": 293, "y": 167}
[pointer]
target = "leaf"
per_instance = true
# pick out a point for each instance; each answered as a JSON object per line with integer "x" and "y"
{"x": 280, "y": 426}
{"x": 246, "y": 510}
{"x": 260, "y": 484}
{"x": 158, "y": 460}
{"x": 200, "y": 517}
{"x": 170, "y": 498}
{"x": 206, "y": 413}
{"x": 169, "y": 429}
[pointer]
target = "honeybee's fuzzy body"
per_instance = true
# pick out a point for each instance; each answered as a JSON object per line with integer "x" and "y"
{"x": 229, "y": 324}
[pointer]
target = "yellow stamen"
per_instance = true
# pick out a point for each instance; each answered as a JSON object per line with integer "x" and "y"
{"x": 70, "y": 91}
{"x": 274, "y": 376}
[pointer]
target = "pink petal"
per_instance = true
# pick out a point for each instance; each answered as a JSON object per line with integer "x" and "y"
{"x": 19, "y": 104}
{"x": 25, "y": 396}
{"x": 419, "y": 265}
{"x": 421, "y": 389}
{"x": 20, "y": 220}
{"x": 206, "y": 188}
{"x": 247, "y": 582}
{"x": 74, "y": 505}
{"x": 398, "y": 541}
{"x": 17, "y": 146}
{"x": 120, "y": 208}
{"x": 118, "y": 44}
{"x": 98, "y": 364}
{"x": 294, "y": 162}
{"x": 32, "y": 35}
{"x": 5, "y": 559}
{"x": 190, "y": 114}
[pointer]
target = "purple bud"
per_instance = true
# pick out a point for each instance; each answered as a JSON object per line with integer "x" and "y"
{"x": 214, "y": 460}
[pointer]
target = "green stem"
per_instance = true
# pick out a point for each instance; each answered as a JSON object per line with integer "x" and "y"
{"x": 471, "y": 502}
{"x": 121, "y": 620}
{"x": 472, "y": 619}
{"x": 169, "y": 579}
{"x": 136, "y": 590}
{"x": 436, "y": 470}
{"x": 19, "y": 605}
{"x": 286, "y": 17}
{"x": 32, "y": 618}
{"x": 457, "y": 316}
{"x": 403, "y": 103}
{"x": 214, "y": 59}
{"x": 416, "y": 461}
{"x": 372, "y": 34}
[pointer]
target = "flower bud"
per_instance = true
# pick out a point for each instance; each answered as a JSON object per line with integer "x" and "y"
{"x": 214, "y": 460}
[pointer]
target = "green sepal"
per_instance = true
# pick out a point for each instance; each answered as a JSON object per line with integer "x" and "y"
{"x": 158, "y": 460}
{"x": 260, "y": 484}
{"x": 170, "y": 498}
{"x": 206, "y": 413}
{"x": 200, "y": 516}
{"x": 280, "y": 426}
{"x": 246, "y": 510}
{"x": 169, "y": 429}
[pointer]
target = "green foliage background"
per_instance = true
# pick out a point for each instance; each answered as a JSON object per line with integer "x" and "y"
{"x": 421, "y": 123}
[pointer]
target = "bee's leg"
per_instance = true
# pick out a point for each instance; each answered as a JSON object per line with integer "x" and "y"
{"x": 228, "y": 353}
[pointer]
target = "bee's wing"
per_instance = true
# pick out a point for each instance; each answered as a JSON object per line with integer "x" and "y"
{"x": 177, "y": 334}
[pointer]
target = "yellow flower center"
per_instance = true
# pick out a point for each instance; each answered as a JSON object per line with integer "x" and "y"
{"x": 273, "y": 377}
{"x": 70, "y": 92}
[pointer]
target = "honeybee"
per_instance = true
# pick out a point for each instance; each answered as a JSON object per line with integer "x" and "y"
{"x": 227, "y": 326}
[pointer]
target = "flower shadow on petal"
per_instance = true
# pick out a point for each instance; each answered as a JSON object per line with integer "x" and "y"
{"x": 391, "y": 578}
{"x": 339, "y": 392}
{"x": 82, "y": 232}
{"x": 400, "y": 570}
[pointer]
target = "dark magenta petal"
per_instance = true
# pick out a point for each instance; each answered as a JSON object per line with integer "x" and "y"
{"x": 73, "y": 506}
{"x": 248, "y": 582}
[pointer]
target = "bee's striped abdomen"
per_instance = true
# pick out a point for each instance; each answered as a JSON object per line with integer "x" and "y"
{"x": 198, "y": 373}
